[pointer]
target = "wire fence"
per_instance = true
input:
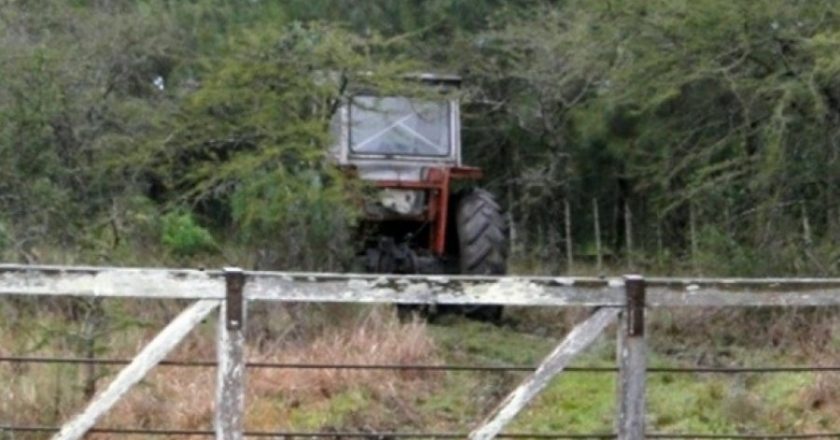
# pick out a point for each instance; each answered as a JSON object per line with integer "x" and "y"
{"x": 384, "y": 435}
{"x": 428, "y": 367}
{"x": 313, "y": 434}
{"x": 418, "y": 367}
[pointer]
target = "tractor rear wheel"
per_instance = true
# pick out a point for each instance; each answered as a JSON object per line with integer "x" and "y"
{"x": 482, "y": 243}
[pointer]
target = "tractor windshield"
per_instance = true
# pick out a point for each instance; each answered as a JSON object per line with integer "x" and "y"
{"x": 399, "y": 126}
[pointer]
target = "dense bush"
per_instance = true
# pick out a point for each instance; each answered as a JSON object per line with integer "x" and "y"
{"x": 5, "y": 239}
{"x": 184, "y": 237}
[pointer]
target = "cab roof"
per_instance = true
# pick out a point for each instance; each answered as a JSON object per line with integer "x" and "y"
{"x": 436, "y": 78}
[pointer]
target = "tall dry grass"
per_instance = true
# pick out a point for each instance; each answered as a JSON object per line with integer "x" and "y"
{"x": 379, "y": 339}
{"x": 183, "y": 398}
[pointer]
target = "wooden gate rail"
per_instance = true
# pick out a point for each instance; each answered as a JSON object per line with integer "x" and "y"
{"x": 414, "y": 289}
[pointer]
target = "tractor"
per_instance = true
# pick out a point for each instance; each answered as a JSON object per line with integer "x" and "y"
{"x": 415, "y": 221}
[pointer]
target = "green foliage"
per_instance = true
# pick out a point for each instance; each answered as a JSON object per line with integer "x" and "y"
{"x": 730, "y": 107}
{"x": 76, "y": 92}
{"x": 268, "y": 106}
{"x": 721, "y": 253}
{"x": 155, "y": 103}
{"x": 253, "y": 139}
{"x": 659, "y": 105}
{"x": 305, "y": 219}
{"x": 5, "y": 237}
{"x": 184, "y": 237}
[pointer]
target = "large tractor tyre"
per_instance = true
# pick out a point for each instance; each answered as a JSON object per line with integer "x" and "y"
{"x": 482, "y": 243}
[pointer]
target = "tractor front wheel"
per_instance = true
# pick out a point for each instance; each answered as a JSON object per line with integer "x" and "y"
{"x": 482, "y": 243}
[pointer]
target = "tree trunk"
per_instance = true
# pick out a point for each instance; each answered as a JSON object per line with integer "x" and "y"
{"x": 570, "y": 261}
{"x": 628, "y": 234}
{"x": 599, "y": 257}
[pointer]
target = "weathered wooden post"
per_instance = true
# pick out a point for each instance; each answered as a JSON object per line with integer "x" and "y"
{"x": 632, "y": 362}
{"x": 230, "y": 349}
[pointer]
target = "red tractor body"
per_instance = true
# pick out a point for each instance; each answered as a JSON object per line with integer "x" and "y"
{"x": 437, "y": 183}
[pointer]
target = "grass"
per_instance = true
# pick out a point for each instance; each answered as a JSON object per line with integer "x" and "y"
{"x": 699, "y": 403}
{"x": 578, "y": 403}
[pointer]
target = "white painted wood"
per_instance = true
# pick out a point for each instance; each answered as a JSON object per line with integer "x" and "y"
{"x": 318, "y": 277}
{"x": 738, "y": 282}
{"x": 415, "y": 289}
{"x": 105, "y": 282}
{"x": 701, "y": 296}
{"x": 230, "y": 380}
{"x": 151, "y": 354}
{"x": 308, "y": 287}
{"x": 325, "y": 276}
{"x": 511, "y": 291}
{"x": 575, "y": 342}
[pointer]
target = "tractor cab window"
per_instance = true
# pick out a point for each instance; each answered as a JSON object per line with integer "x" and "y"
{"x": 399, "y": 126}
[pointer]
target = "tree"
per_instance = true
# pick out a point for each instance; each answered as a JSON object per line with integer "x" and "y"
{"x": 249, "y": 147}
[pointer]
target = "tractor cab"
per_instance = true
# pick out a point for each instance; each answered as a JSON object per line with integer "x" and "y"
{"x": 394, "y": 138}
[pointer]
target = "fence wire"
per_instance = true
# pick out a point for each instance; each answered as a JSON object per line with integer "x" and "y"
{"x": 429, "y": 367}
{"x": 313, "y": 434}
{"x": 406, "y": 435}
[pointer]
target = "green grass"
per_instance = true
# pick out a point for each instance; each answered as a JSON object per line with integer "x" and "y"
{"x": 333, "y": 412}
{"x": 576, "y": 403}
{"x": 585, "y": 402}
{"x": 464, "y": 340}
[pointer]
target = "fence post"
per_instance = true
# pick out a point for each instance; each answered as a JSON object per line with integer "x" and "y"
{"x": 632, "y": 362}
{"x": 230, "y": 349}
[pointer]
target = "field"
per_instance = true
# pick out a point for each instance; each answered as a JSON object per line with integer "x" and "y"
{"x": 361, "y": 400}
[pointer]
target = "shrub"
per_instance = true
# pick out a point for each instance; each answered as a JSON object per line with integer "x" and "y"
{"x": 184, "y": 237}
{"x": 299, "y": 220}
{"x": 721, "y": 253}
